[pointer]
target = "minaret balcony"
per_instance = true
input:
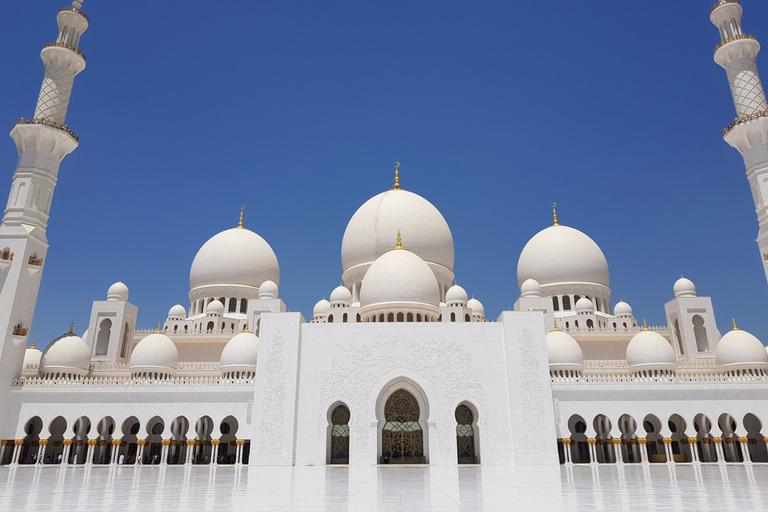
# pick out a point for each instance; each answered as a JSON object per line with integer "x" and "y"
{"x": 18, "y": 330}
{"x": 718, "y": 4}
{"x": 6, "y": 255}
{"x": 67, "y": 46}
{"x": 46, "y": 122}
{"x": 38, "y": 262}
{"x": 81, "y": 13}
{"x": 745, "y": 119}
{"x": 734, "y": 38}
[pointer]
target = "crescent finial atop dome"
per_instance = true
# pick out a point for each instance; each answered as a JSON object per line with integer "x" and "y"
{"x": 396, "y": 186}
{"x": 240, "y": 224}
{"x": 554, "y": 214}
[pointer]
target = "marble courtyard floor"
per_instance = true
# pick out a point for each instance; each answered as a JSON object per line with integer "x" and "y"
{"x": 386, "y": 488}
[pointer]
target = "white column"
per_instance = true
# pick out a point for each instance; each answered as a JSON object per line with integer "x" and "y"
{"x": 719, "y": 449}
{"x": 114, "y": 456}
{"x": 3, "y": 447}
{"x": 65, "y": 452}
{"x": 643, "y": 450}
{"x": 567, "y": 450}
{"x": 41, "y": 451}
{"x": 164, "y": 452}
{"x": 140, "y": 452}
{"x": 89, "y": 452}
{"x": 668, "y": 450}
{"x": 693, "y": 445}
{"x": 745, "y": 450}
{"x": 215, "y": 452}
{"x": 592, "y": 451}
{"x": 190, "y": 450}
{"x": 16, "y": 450}
{"x": 617, "y": 450}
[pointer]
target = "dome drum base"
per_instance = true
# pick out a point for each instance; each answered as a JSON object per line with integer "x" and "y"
{"x": 368, "y": 313}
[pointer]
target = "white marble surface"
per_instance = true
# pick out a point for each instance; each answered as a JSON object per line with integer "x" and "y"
{"x": 390, "y": 488}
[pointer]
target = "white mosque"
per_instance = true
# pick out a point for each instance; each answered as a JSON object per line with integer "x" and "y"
{"x": 400, "y": 365}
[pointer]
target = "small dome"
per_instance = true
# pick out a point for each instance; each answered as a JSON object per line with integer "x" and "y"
{"x": 564, "y": 352}
{"x": 321, "y": 307}
{"x": 739, "y": 350}
{"x": 649, "y": 350}
{"x": 215, "y": 308}
{"x": 237, "y": 256}
{"x": 584, "y": 305}
{"x": 399, "y": 277}
{"x": 66, "y": 354}
{"x": 560, "y": 254}
{"x": 477, "y": 307}
{"x": 341, "y": 296}
{"x": 240, "y": 353}
{"x": 268, "y": 290}
{"x": 156, "y": 352}
{"x": 530, "y": 288}
{"x": 177, "y": 312}
{"x": 31, "y": 357}
{"x": 117, "y": 292}
{"x": 456, "y": 295}
{"x": 622, "y": 309}
{"x": 684, "y": 288}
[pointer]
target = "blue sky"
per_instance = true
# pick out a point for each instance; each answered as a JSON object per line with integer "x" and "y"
{"x": 298, "y": 110}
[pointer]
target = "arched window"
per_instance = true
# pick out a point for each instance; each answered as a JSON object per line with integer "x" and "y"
{"x": 453, "y": 317}
{"x": 700, "y": 333}
{"x": 466, "y": 318}
{"x": 344, "y": 318}
{"x": 124, "y": 343}
{"x": 566, "y": 303}
{"x": 400, "y": 317}
{"x": 381, "y": 317}
{"x": 340, "y": 435}
{"x": 243, "y": 305}
{"x": 210, "y": 326}
{"x": 402, "y": 439}
{"x": 391, "y": 317}
{"x": 409, "y": 318}
{"x": 465, "y": 435}
{"x": 232, "y": 305}
{"x": 590, "y": 324}
{"x": 576, "y": 298}
{"x": 102, "y": 340}
{"x": 576, "y": 323}
{"x": 330, "y": 319}
{"x": 418, "y": 317}
{"x": 555, "y": 304}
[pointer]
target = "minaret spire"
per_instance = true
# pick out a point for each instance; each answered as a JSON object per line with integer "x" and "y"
{"x": 42, "y": 142}
{"x": 737, "y": 54}
{"x": 396, "y": 186}
{"x": 554, "y": 215}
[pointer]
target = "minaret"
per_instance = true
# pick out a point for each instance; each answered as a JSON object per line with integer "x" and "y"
{"x": 42, "y": 142}
{"x": 748, "y": 133}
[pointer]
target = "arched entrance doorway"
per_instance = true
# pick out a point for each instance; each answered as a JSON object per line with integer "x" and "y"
{"x": 465, "y": 435}
{"x": 402, "y": 439}
{"x": 340, "y": 435}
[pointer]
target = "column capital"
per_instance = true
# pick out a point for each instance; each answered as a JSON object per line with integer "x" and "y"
{"x": 717, "y": 440}
{"x": 566, "y": 441}
{"x": 190, "y": 442}
{"x": 116, "y": 442}
{"x": 92, "y": 442}
{"x": 141, "y": 442}
{"x": 642, "y": 440}
{"x": 165, "y": 442}
{"x": 18, "y": 442}
{"x": 215, "y": 442}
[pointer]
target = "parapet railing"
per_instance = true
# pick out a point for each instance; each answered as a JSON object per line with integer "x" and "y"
{"x": 659, "y": 329}
{"x": 67, "y": 46}
{"x": 52, "y": 124}
{"x": 115, "y": 382}
{"x": 78, "y": 11}
{"x": 745, "y": 119}
{"x": 734, "y": 38}
{"x": 679, "y": 378}
{"x": 718, "y": 4}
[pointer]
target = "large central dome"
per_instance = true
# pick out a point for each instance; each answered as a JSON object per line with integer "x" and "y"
{"x": 237, "y": 256}
{"x": 374, "y": 226}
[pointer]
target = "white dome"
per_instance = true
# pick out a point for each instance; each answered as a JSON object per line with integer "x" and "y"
{"x": 177, "y": 312}
{"x": 215, "y": 307}
{"x": 375, "y": 224}
{"x": 66, "y": 354}
{"x": 341, "y": 296}
{"x": 117, "y": 292}
{"x": 559, "y": 254}
{"x": 740, "y": 350}
{"x": 240, "y": 353}
{"x": 584, "y": 305}
{"x": 321, "y": 307}
{"x": 31, "y": 356}
{"x": 236, "y": 256}
{"x": 156, "y": 352}
{"x": 649, "y": 350}
{"x": 622, "y": 309}
{"x": 564, "y": 352}
{"x": 684, "y": 288}
{"x": 530, "y": 288}
{"x": 399, "y": 277}
{"x": 476, "y": 306}
{"x": 268, "y": 290}
{"x": 456, "y": 295}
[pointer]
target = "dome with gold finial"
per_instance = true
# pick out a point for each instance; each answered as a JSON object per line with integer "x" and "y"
{"x": 563, "y": 260}
{"x": 372, "y": 228}
{"x": 740, "y": 350}
{"x": 564, "y": 352}
{"x": 649, "y": 351}
{"x": 399, "y": 282}
{"x": 31, "y": 364}
{"x": 66, "y": 355}
{"x": 155, "y": 354}
{"x": 240, "y": 354}
{"x": 235, "y": 257}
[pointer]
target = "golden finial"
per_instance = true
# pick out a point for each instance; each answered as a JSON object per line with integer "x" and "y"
{"x": 645, "y": 325}
{"x": 158, "y": 326}
{"x": 554, "y": 214}
{"x": 240, "y": 224}
{"x": 399, "y": 242}
{"x": 72, "y": 328}
{"x": 33, "y": 343}
{"x": 245, "y": 329}
{"x": 556, "y": 329}
{"x": 734, "y": 325}
{"x": 397, "y": 177}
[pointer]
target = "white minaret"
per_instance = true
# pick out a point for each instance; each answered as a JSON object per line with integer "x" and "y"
{"x": 748, "y": 133}
{"x": 42, "y": 142}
